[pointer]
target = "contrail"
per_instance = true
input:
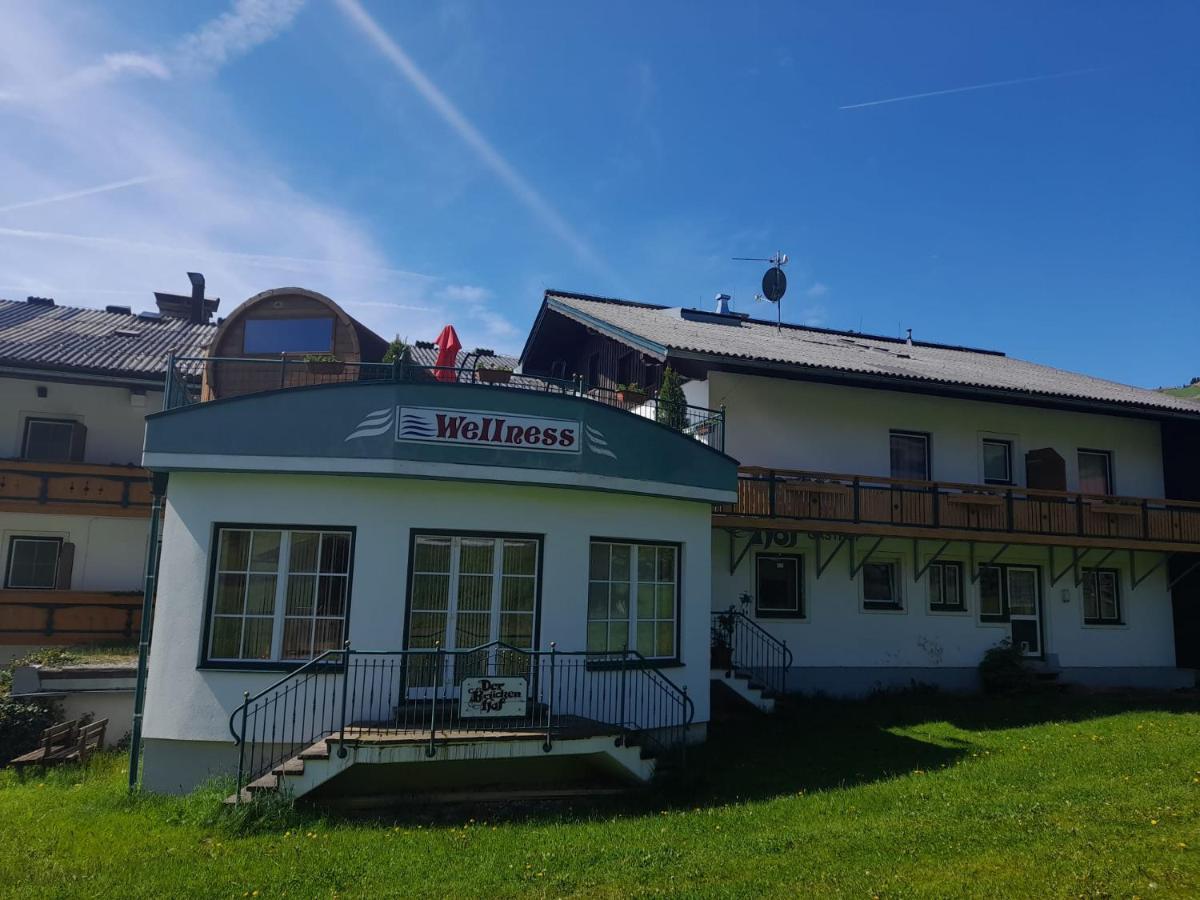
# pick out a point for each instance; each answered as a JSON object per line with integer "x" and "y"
{"x": 259, "y": 259}
{"x": 972, "y": 87}
{"x": 445, "y": 108}
{"x": 85, "y": 192}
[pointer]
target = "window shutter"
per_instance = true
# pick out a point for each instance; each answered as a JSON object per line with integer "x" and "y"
{"x": 78, "y": 441}
{"x": 66, "y": 561}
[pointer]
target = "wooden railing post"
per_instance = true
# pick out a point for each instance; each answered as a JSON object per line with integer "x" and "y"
{"x": 1009, "y": 509}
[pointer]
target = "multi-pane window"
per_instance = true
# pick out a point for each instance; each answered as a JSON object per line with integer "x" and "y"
{"x": 279, "y": 595}
{"x": 1007, "y": 591}
{"x": 780, "y": 587}
{"x": 633, "y": 593}
{"x": 33, "y": 562}
{"x": 53, "y": 440}
{"x": 468, "y": 591}
{"x": 881, "y": 585}
{"x": 1095, "y": 472}
{"x": 1101, "y": 597}
{"x": 910, "y": 455}
{"x": 997, "y": 461}
{"x": 945, "y": 587}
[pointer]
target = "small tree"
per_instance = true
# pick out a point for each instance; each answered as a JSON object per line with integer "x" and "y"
{"x": 396, "y": 350}
{"x": 672, "y": 404}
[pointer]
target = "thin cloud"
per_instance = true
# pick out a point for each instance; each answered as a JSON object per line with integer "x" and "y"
{"x": 85, "y": 192}
{"x": 972, "y": 87}
{"x": 450, "y": 114}
{"x": 259, "y": 259}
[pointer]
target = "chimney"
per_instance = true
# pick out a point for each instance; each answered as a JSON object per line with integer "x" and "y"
{"x": 197, "y": 316}
{"x": 909, "y": 339}
{"x": 194, "y": 308}
{"x": 40, "y": 301}
{"x": 723, "y": 304}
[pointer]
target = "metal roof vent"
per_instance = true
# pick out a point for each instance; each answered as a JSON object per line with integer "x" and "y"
{"x": 723, "y": 304}
{"x": 119, "y": 310}
{"x": 40, "y": 301}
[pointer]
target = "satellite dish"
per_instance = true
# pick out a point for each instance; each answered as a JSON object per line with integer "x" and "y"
{"x": 774, "y": 284}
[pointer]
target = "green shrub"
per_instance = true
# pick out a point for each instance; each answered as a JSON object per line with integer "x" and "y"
{"x": 21, "y": 725}
{"x": 1003, "y": 671}
{"x": 672, "y": 404}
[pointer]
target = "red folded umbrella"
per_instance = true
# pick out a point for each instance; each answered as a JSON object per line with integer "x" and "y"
{"x": 448, "y": 346}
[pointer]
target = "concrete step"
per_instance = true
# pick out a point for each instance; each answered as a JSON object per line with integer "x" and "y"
{"x": 746, "y": 690}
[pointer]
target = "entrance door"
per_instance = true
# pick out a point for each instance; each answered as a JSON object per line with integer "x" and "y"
{"x": 1024, "y": 609}
{"x": 467, "y": 591}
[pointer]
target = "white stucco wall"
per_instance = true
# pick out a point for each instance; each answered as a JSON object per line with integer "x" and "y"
{"x": 115, "y": 426}
{"x": 185, "y": 703}
{"x": 832, "y": 428}
{"x": 837, "y": 632}
{"x": 110, "y": 551}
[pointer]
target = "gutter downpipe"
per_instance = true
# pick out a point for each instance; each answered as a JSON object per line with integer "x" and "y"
{"x": 159, "y": 490}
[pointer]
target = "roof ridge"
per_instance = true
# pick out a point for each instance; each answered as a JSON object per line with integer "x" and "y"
{"x": 793, "y": 326}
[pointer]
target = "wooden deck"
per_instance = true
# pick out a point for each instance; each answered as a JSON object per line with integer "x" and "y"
{"x": 793, "y": 500}
{"x": 71, "y": 488}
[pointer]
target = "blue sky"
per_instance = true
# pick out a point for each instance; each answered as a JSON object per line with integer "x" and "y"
{"x": 436, "y": 162}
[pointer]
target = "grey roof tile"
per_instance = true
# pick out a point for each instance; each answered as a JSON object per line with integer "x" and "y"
{"x": 757, "y": 341}
{"x": 94, "y": 341}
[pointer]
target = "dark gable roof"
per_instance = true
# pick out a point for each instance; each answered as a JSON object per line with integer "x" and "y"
{"x": 82, "y": 342}
{"x": 756, "y": 343}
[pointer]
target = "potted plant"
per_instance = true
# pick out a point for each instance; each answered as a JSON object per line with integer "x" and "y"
{"x": 324, "y": 364}
{"x": 631, "y": 394}
{"x": 494, "y": 374}
{"x": 672, "y": 404}
{"x": 721, "y": 650}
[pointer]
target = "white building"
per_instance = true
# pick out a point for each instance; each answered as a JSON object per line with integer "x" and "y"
{"x": 903, "y": 505}
{"x": 535, "y": 576}
{"x": 75, "y": 388}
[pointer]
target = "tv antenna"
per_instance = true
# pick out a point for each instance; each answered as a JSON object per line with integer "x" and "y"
{"x": 774, "y": 282}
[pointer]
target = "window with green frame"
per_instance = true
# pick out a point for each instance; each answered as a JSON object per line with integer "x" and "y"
{"x": 633, "y": 598}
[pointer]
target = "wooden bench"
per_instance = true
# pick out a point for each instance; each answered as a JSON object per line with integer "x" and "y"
{"x": 65, "y": 742}
{"x": 56, "y": 740}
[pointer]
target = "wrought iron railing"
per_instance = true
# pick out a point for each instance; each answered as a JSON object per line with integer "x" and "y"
{"x": 194, "y": 379}
{"x": 820, "y": 497}
{"x": 749, "y": 649}
{"x": 346, "y": 697}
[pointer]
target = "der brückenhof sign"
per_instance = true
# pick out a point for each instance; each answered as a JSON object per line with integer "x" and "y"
{"x": 498, "y": 696}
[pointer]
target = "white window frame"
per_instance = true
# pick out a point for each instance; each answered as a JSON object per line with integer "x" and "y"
{"x": 984, "y": 440}
{"x": 636, "y": 548}
{"x": 939, "y": 564}
{"x": 1120, "y": 620}
{"x": 1111, "y": 462}
{"x": 801, "y": 613}
{"x": 278, "y": 613}
{"x": 29, "y": 420}
{"x": 897, "y": 565}
{"x": 925, "y": 436}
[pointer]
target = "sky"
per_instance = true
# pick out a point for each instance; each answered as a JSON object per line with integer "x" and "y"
{"x": 1018, "y": 176}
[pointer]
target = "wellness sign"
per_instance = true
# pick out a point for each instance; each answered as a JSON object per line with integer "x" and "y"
{"x": 433, "y": 425}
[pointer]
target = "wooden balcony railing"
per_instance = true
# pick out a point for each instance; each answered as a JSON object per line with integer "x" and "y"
{"x": 75, "y": 488}
{"x": 866, "y": 504}
{"x": 68, "y": 617}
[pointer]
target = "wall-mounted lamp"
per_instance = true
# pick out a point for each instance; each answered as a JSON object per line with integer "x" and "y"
{"x": 1066, "y": 595}
{"x": 42, "y": 392}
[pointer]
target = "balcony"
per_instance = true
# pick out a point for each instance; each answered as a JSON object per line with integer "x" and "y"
{"x": 68, "y": 617}
{"x": 198, "y": 379}
{"x": 70, "y": 488}
{"x": 790, "y": 500}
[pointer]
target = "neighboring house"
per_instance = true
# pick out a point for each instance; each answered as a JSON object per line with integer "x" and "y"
{"x": 75, "y": 387}
{"x": 905, "y": 505}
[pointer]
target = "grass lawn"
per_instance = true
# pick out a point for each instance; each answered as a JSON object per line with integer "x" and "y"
{"x": 901, "y": 796}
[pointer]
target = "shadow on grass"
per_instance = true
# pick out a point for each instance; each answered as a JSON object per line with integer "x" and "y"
{"x": 806, "y": 745}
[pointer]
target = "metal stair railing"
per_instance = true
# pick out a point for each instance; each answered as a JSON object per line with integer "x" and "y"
{"x": 414, "y": 696}
{"x": 753, "y": 651}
